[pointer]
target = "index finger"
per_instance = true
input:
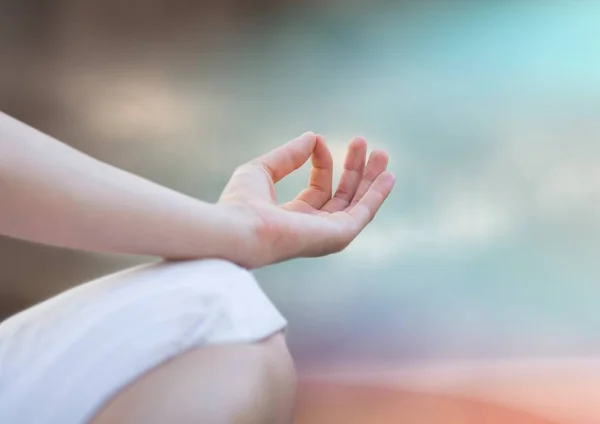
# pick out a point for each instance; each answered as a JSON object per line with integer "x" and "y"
{"x": 285, "y": 159}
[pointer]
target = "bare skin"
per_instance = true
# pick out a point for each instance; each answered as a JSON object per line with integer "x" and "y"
{"x": 229, "y": 384}
{"x": 56, "y": 195}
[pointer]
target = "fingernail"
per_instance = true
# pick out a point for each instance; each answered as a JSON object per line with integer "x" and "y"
{"x": 358, "y": 140}
{"x": 390, "y": 177}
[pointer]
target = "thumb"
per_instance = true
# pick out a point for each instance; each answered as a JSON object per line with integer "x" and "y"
{"x": 285, "y": 159}
{"x": 256, "y": 178}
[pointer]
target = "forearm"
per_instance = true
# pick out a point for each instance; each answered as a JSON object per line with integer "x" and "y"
{"x": 53, "y": 194}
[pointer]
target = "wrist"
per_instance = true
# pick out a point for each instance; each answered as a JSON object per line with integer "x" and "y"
{"x": 208, "y": 232}
{"x": 237, "y": 234}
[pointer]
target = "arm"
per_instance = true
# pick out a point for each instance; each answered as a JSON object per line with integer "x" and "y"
{"x": 53, "y": 194}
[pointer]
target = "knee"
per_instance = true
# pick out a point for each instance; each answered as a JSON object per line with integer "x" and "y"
{"x": 271, "y": 387}
{"x": 230, "y": 379}
{"x": 256, "y": 384}
{"x": 279, "y": 364}
{"x": 227, "y": 384}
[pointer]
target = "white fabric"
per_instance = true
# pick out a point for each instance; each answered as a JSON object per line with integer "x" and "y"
{"x": 62, "y": 359}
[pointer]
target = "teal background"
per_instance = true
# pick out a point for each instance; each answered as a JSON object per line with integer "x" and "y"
{"x": 488, "y": 247}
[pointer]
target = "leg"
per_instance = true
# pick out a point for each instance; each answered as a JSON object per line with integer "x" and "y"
{"x": 228, "y": 384}
{"x": 193, "y": 341}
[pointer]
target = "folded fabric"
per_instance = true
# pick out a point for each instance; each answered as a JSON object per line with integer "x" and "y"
{"x": 61, "y": 360}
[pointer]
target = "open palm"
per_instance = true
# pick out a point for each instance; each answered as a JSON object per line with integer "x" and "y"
{"x": 317, "y": 222}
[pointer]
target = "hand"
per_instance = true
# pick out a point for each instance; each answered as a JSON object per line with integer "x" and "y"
{"x": 314, "y": 223}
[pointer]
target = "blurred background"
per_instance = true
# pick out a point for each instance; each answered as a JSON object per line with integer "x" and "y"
{"x": 479, "y": 280}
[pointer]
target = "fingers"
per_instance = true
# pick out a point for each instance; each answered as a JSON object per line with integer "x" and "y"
{"x": 255, "y": 179}
{"x": 366, "y": 208}
{"x": 321, "y": 175}
{"x": 325, "y": 233}
{"x": 378, "y": 161}
{"x": 289, "y": 157}
{"x": 354, "y": 166}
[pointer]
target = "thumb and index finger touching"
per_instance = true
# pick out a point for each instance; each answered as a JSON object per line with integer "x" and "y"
{"x": 282, "y": 161}
{"x": 287, "y": 158}
{"x": 256, "y": 176}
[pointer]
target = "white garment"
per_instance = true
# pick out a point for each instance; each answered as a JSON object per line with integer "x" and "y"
{"x": 61, "y": 360}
